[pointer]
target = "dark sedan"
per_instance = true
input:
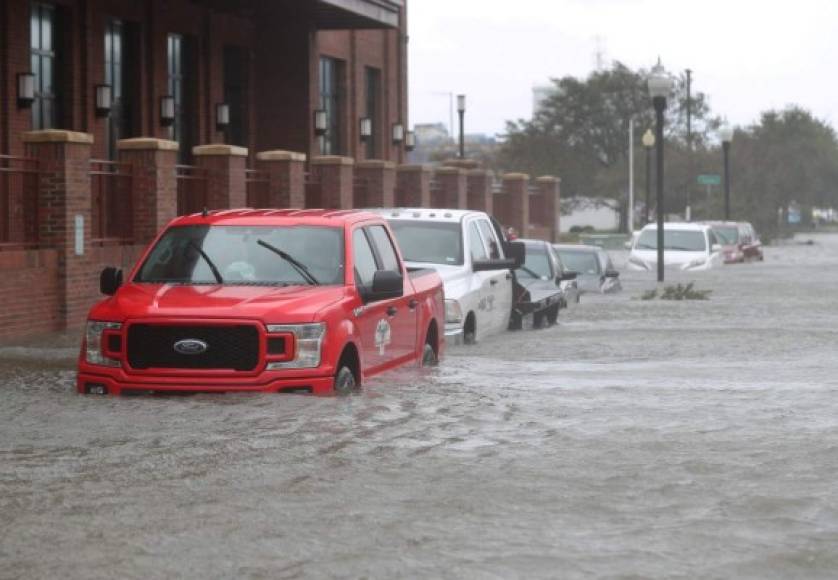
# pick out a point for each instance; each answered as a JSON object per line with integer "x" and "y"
{"x": 596, "y": 272}
{"x": 538, "y": 286}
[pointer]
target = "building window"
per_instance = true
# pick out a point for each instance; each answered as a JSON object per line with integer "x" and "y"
{"x": 182, "y": 89}
{"x": 42, "y": 42}
{"x": 118, "y": 125}
{"x": 332, "y": 101}
{"x": 373, "y": 87}
{"x": 237, "y": 94}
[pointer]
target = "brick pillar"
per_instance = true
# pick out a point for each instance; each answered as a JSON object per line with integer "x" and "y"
{"x": 516, "y": 188}
{"x": 413, "y": 186}
{"x": 336, "y": 176}
{"x": 548, "y": 187}
{"x": 286, "y": 177}
{"x": 452, "y": 188}
{"x": 226, "y": 178}
{"x": 479, "y": 190}
{"x": 154, "y": 185}
{"x": 379, "y": 181}
{"x": 64, "y": 199}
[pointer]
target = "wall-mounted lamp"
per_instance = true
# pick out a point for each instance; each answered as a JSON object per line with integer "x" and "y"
{"x": 167, "y": 111}
{"x": 398, "y": 133}
{"x": 410, "y": 141}
{"x": 222, "y": 116}
{"x": 321, "y": 122}
{"x": 366, "y": 129}
{"x": 104, "y": 100}
{"x": 25, "y": 90}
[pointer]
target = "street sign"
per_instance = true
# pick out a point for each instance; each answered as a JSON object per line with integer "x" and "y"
{"x": 710, "y": 180}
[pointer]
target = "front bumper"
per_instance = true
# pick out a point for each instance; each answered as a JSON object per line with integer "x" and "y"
{"x": 118, "y": 383}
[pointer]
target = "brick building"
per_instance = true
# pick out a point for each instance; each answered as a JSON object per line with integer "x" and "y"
{"x": 118, "y": 115}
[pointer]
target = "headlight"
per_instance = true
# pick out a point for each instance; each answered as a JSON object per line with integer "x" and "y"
{"x": 453, "y": 312}
{"x": 309, "y": 345}
{"x": 93, "y": 343}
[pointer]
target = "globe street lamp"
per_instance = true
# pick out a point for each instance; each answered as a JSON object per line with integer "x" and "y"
{"x": 648, "y": 143}
{"x": 726, "y": 135}
{"x": 461, "y": 109}
{"x": 660, "y": 85}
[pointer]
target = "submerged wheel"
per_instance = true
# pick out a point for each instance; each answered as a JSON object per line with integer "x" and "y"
{"x": 516, "y": 322}
{"x": 345, "y": 383}
{"x": 429, "y": 357}
{"x": 553, "y": 315}
{"x": 470, "y": 330}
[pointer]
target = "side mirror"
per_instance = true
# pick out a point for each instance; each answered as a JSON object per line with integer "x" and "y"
{"x": 568, "y": 275}
{"x": 516, "y": 251}
{"x": 110, "y": 280}
{"x": 612, "y": 274}
{"x": 716, "y": 248}
{"x": 490, "y": 265}
{"x": 386, "y": 284}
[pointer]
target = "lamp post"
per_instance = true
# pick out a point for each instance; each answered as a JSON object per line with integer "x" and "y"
{"x": 461, "y": 109}
{"x": 726, "y": 135}
{"x": 648, "y": 143}
{"x": 660, "y": 85}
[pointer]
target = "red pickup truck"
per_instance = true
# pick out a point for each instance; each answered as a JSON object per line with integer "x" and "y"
{"x": 301, "y": 301}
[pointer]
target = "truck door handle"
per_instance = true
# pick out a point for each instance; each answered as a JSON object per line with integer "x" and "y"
{"x": 493, "y": 282}
{"x": 413, "y": 304}
{"x": 392, "y": 311}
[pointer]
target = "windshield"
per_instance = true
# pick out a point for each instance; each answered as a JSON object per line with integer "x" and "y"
{"x": 256, "y": 256}
{"x": 537, "y": 263}
{"x": 581, "y": 262}
{"x": 676, "y": 240}
{"x": 728, "y": 235}
{"x": 430, "y": 242}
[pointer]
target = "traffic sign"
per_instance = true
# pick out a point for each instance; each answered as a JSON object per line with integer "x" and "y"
{"x": 710, "y": 180}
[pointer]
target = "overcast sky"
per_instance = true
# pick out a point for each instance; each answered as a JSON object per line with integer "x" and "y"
{"x": 747, "y": 55}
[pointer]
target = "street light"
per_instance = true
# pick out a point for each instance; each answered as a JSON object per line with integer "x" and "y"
{"x": 461, "y": 109}
{"x": 660, "y": 85}
{"x": 726, "y": 135}
{"x": 648, "y": 143}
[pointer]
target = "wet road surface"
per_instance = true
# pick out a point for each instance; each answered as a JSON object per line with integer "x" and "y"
{"x": 635, "y": 439}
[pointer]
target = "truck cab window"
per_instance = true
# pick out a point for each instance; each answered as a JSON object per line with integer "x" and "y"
{"x": 475, "y": 243}
{"x": 389, "y": 259}
{"x": 365, "y": 266}
{"x": 491, "y": 239}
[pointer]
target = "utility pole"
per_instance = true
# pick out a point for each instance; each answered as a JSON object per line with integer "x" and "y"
{"x": 689, "y": 144}
{"x": 631, "y": 177}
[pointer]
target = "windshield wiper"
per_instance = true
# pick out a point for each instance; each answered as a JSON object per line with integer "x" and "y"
{"x": 531, "y": 273}
{"x": 300, "y": 268}
{"x": 215, "y": 271}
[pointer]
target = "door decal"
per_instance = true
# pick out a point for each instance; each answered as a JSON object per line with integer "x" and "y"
{"x": 382, "y": 336}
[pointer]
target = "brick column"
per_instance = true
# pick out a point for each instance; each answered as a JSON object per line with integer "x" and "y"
{"x": 413, "y": 186}
{"x": 336, "y": 176}
{"x": 226, "y": 178}
{"x": 479, "y": 190}
{"x": 548, "y": 187}
{"x": 379, "y": 182}
{"x": 286, "y": 177}
{"x": 452, "y": 188}
{"x": 64, "y": 199}
{"x": 154, "y": 184}
{"x": 516, "y": 188}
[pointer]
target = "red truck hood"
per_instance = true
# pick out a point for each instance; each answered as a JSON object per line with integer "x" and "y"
{"x": 269, "y": 304}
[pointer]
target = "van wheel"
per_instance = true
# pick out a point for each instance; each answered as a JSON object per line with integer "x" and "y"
{"x": 429, "y": 358}
{"x": 345, "y": 383}
{"x": 470, "y": 330}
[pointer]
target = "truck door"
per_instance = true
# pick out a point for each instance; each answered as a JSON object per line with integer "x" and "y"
{"x": 375, "y": 336}
{"x": 502, "y": 289}
{"x": 402, "y": 312}
{"x": 484, "y": 315}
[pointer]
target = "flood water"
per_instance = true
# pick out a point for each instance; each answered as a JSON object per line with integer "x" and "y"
{"x": 634, "y": 439}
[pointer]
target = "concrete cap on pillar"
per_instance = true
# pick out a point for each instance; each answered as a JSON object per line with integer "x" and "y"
{"x": 462, "y": 163}
{"x": 280, "y": 155}
{"x": 547, "y": 179}
{"x": 375, "y": 164}
{"x": 147, "y": 144}
{"x": 515, "y": 177}
{"x": 332, "y": 160}
{"x": 219, "y": 150}
{"x": 450, "y": 171}
{"x": 57, "y": 136}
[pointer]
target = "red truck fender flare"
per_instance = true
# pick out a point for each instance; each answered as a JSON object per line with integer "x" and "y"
{"x": 347, "y": 333}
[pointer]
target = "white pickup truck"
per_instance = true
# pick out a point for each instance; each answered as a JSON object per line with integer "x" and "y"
{"x": 473, "y": 260}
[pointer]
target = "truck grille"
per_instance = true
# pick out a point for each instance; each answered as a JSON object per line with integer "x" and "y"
{"x": 228, "y": 347}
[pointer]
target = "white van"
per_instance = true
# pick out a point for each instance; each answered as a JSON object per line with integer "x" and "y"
{"x": 464, "y": 247}
{"x": 687, "y": 246}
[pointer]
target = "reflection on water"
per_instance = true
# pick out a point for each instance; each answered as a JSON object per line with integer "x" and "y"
{"x": 636, "y": 438}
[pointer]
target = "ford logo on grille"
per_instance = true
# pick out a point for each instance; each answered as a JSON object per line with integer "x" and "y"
{"x": 191, "y": 346}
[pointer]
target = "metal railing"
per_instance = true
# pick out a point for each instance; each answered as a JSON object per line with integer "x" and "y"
{"x": 258, "y": 189}
{"x": 112, "y": 215}
{"x": 192, "y": 184}
{"x": 19, "y": 206}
